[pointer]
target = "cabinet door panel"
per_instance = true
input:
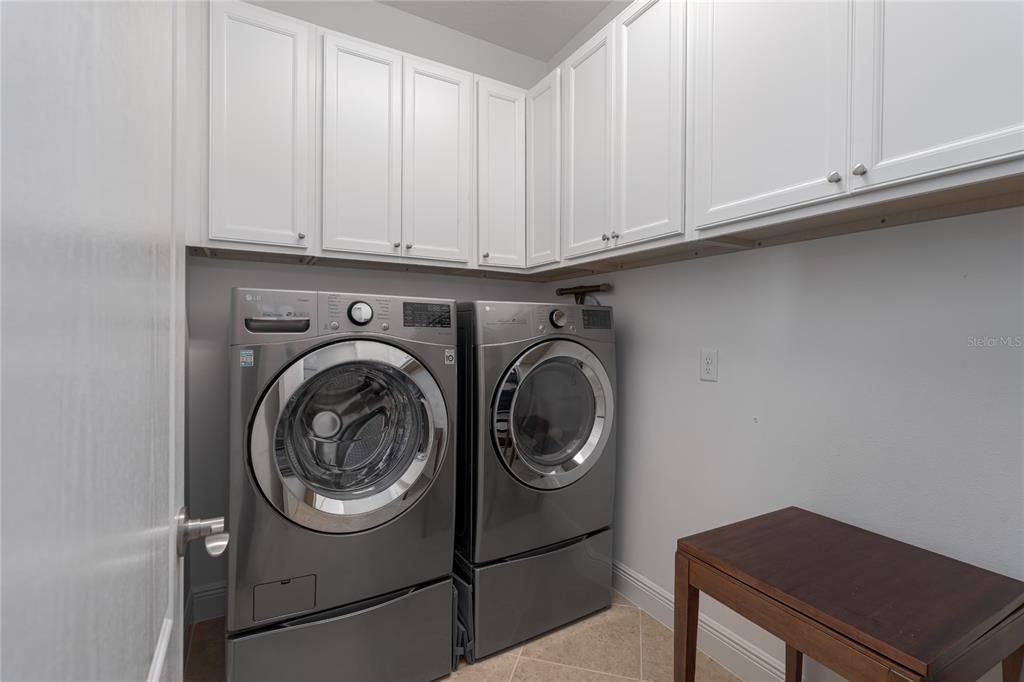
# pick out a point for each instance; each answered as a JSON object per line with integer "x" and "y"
{"x": 588, "y": 109}
{"x": 437, "y": 169}
{"x": 768, "y": 116}
{"x": 649, "y": 162}
{"x": 362, "y": 155}
{"x": 937, "y": 85}
{"x": 261, "y": 126}
{"x": 501, "y": 174}
{"x": 543, "y": 171}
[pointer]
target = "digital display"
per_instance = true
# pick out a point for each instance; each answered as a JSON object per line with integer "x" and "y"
{"x": 426, "y": 315}
{"x": 597, "y": 319}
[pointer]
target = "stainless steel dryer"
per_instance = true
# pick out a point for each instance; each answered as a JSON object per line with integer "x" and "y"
{"x": 536, "y": 469}
{"x": 342, "y": 500}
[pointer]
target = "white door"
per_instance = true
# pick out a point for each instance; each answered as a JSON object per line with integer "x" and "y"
{"x": 501, "y": 174}
{"x": 437, "y": 168}
{"x": 93, "y": 343}
{"x": 362, "y": 153}
{"x": 649, "y": 127}
{"x": 261, "y": 126}
{"x": 937, "y": 85}
{"x": 588, "y": 86}
{"x": 767, "y": 114}
{"x": 543, "y": 170}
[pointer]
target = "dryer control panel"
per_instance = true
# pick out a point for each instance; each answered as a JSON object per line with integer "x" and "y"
{"x": 497, "y": 322}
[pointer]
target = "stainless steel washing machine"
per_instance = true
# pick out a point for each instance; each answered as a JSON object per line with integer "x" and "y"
{"x": 342, "y": 486}
{"x": 536, "y": 472}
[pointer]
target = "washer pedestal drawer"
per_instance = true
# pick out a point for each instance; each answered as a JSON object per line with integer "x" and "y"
{"x": 520, "y": 598}
{"x": 406, "y": 638}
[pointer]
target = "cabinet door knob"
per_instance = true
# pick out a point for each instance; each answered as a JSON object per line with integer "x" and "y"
{"x": 605, "y": 237}
{"x": 301, "y": 235}
{"x": 860, "y": 169}
{"x": 615, "y": 235}
{"x": 397, "y": 244}
{"x": 834, "y": 176}
{"x": 408, "y": 245}
{"x": 487, "y": 254}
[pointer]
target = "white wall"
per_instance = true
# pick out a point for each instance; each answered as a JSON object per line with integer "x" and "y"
{"x": 847, "y": 385}
{"x": 209, "y": 302}
{"x": 407, "y": 32}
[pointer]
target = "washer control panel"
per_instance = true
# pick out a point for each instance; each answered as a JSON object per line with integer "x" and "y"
{"x": 360, "y": 312}
{"x": 341, "y": 312}
{"x": 276, "y": 314}
{"x": 412, "y": 318}
{"x": 416, "y": 314}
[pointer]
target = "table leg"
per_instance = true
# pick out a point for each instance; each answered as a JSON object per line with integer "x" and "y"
{"x": 687, "y": 603}
{"x": 794, "y": 665}
{"x": 1012, "y": 666}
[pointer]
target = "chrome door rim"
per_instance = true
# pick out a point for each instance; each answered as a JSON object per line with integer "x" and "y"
{"x": 309, "y": 507}
{"x": 586, "y": 457}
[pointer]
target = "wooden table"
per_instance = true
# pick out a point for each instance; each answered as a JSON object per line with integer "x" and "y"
{"x": 866, "y": 606}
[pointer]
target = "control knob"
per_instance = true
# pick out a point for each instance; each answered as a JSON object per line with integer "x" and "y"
{"x": 360, "y": 313}
{"x": 558, "y": 318}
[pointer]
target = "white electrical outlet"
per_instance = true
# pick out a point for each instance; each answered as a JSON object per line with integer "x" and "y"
{"x": 708, "y": 365}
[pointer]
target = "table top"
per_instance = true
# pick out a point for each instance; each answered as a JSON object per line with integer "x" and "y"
{"x": 915, "y": 607}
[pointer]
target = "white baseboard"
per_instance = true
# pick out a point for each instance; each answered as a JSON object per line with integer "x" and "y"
{"x": 205, "y": 602}
{"x": 739, "y": 656}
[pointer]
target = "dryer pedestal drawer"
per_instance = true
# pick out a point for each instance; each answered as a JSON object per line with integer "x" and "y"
{"x": 406, "y": 638}
{"x": 518, "y": 599}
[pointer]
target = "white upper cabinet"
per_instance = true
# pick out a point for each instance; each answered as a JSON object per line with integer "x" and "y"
{"x": 262, "y": 126}
{"x": 501, "y": 174}
{"x": 437, "y": 169}
{"x": 543, "y": 171}
{"x": 588, "y": 107}
{"x": 362, "y": 152}
{"x": 767, "y": 116}
{"x": 936, "y": 85}
{"x": 648, "y": 199}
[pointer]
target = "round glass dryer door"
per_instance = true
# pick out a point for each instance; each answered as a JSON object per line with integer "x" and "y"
{"x": 349, "y": 436}
{"x": 552, "y": 414}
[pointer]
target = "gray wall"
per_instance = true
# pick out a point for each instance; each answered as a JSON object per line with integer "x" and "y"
{"x": 407, "y": 32}
{"x": 209, "y": 290}
{"x": 847, "y": 385}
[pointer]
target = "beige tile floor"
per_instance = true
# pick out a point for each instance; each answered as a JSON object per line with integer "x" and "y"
{"x": 619, "y": 643}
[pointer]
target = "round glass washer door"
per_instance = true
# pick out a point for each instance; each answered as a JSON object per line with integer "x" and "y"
{"x": 552, "y": 414}
{"x": 349, "y": 436}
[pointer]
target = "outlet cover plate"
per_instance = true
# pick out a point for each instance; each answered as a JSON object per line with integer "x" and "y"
{"x": 708, "y": 365}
